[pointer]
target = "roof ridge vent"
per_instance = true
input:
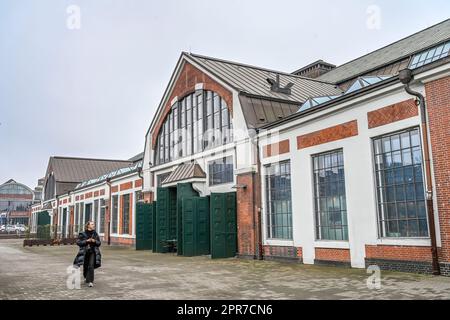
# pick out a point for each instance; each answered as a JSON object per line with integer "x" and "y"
{"x": 276, "y": 87}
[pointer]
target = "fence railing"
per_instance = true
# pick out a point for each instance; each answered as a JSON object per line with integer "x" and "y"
{"x": 53, "y": 235}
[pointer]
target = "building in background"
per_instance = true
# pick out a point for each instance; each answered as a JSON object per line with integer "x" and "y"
{"x": 15, "y": 203}
{"x": 114, "y": 184}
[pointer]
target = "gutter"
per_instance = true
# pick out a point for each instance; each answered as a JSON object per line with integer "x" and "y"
{"x": 406, "y": 76}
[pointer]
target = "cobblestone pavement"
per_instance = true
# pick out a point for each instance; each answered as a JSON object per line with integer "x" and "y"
{"x": 40, "y": 273}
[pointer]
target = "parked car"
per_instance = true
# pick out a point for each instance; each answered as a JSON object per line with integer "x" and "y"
{"x": 2, "y": 228}
{"x": 20, "y": 228}
{"x": 10, "y": 228}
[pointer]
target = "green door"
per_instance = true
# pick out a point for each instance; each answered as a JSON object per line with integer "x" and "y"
{"x": 223, "y": 225}
{"x": 43, "y": 218}
{"x": 154, "y": 226}
{"x": 162, "y": 221}
{"x": 166, "y": 218}
{"x": 196, "y": 230}
{"x": 184, "y": 190}
{"x": 144, "y": 226}
{"x": 43, "y": 225}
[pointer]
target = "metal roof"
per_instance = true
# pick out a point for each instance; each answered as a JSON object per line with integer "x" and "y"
{"x": 185, "y": 172}
{"x": 259, "y": 112}
{"x": 68, "y": 169}
{"x": 253, "y": 80}
{"x": 110, "y": 175}
{"x": 389, "y": 54}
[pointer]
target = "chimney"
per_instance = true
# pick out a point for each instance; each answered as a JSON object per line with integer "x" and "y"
{"x": 315, "y": 69}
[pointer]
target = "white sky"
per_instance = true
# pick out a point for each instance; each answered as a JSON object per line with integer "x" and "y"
{"x": 92, "y": 92}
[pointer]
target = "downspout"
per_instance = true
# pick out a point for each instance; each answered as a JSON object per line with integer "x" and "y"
{"x": 406, "y": 77}
{"x": 108, "y": 182}
{"x": 256, "y": 176}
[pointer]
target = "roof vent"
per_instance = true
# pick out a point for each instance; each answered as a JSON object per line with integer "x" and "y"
{"x": 275, "y": 86}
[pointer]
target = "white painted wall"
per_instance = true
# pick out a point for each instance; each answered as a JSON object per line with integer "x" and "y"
{"x": 359, "y": 179}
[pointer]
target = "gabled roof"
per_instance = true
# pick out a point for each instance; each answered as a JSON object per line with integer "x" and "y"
{"x": 398, "y": 50}
{"x": 137, "y": 157}
{"x": 252, "y": 80}
{"x": 185, "y": 172}
{"x": 75, "y": 170}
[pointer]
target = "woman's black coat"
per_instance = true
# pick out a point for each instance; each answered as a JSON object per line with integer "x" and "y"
{"x": 81, "y": 242}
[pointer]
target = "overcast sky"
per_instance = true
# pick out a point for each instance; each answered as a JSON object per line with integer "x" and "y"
{"x": 92, "y": 91}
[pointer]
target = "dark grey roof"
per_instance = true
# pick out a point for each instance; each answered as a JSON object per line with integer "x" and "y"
{"x": 185, "y": 172}
{"x": 389, "y": 54}
{"x": 259, "y": 112}
{"x": 253, "y": 80}
{"x": 68, "y": 169}
{"x": 137, "y": 157}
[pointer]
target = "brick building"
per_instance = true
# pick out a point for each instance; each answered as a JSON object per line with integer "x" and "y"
{"x": 329, "y": 164}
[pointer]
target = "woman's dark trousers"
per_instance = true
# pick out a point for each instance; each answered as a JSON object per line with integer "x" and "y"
{"x": 88, "y": 267}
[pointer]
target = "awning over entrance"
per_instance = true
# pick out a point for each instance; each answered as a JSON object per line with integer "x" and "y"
{"x": 185, "y": 172}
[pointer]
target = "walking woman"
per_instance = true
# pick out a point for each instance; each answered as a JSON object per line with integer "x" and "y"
{"x": 89, "y": 255}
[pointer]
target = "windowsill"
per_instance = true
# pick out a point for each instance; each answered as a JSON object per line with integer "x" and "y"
{"x": 332, "y": 244}
{"x": 116, "y": 235}
{"x": 279, "y": 242}
{"x": 425, "y": 242}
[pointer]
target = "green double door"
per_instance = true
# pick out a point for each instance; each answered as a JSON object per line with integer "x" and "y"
{"x": 145, "y": 216}
{"x": 166, "y": 218}
{"x": 223, "y": 225}
{"x": 196, "y": 228}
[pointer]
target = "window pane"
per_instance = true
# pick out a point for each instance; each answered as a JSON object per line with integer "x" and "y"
{"x": 278, "y": 201}
{"x": 331, "y": 211}
{"x": 400, "y": 194}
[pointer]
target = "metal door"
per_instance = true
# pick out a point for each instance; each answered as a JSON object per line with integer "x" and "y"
{"x": 144, "y": 226}
{"x": 223, "y": 225}
{"x": 196, "y": 229}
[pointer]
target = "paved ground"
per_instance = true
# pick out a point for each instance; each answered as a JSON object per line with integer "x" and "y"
{"x": 40, "y": 273}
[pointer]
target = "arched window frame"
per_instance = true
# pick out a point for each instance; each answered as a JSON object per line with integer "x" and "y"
{"x": 190, "y": 127}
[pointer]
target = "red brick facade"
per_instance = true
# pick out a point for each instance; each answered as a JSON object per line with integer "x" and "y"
{"x": 332, "y": 254}
{"x": 185, "y": 84}
{"x": 126, "y": 186}
{"x": 247, "y": 213}
{"x": 275, "y": 149}
{"x": 438, "y": 106}
{"x": 403, "y": 253}
{"x": 396, "y": 112}
{"x": 341, "y": 131}
{"x": 283, "y": 252}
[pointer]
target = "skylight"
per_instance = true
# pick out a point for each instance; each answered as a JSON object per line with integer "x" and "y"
{"x": 359, "y": 83}
{"x": 312, "y": 102}
{"x": 363, "y": 82}
{"x": 430, "y": 55}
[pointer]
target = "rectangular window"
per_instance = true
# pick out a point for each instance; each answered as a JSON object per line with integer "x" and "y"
{"x": 400, "y": 188}
{"x": 95, "y": 214}
{"x": 160, "y": 178}
{"x": 278, "y": 201}
{"x": 81, "y": 223}
{"x": 220, "y": 171}
{"x": 329, "y": 196}
{"x": 101, "y": 228}
{"x": 75, "y": 220}
{"x": 125, "y": 213}
{"x": 115, "y": 213}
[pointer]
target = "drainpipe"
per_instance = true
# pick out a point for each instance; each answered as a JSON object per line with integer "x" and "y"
{"x": 256, "y": 176}
{"x": 406, "y": 77}
{"x": 108, "y": 182}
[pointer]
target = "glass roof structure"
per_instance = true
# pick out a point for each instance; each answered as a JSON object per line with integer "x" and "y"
{"x": 312, "y": 102}
{"x": 363, "y": 82}
{"x": 110, "y": 175}
{"x": 359, "y": 83}
{"x": 430, "y": 55}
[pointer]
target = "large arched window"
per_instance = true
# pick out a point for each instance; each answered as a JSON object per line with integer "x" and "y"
{"x": 198, "y": 122}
